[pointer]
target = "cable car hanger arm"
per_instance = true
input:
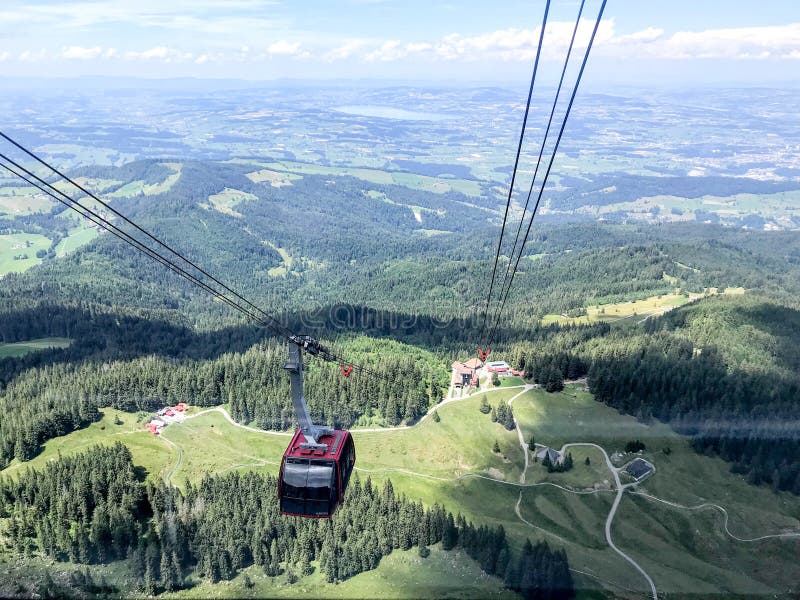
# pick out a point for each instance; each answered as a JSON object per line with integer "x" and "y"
{"x": 312, "y": 433}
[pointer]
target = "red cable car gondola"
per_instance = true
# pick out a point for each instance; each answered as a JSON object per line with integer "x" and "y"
{"x": 312, "y": 482}
{"x": 316, "y": 466}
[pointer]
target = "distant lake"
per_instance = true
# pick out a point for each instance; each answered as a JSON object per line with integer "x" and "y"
{"x": 387, "y": 112}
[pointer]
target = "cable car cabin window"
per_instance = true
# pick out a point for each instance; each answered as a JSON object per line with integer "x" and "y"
{"x": 293, "y": 486}
{"x": 308, "y": 487}
{"x": 348, "y": 461}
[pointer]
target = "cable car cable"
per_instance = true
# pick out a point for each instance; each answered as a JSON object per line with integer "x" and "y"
{"x": 514, "y": 171}
{"x": 94, "y": 217}
{"x": 273, "y": 324}
{"x": 542, "y": 147}
{"x": 122, "y": 235}
{"x": 549, "y": 167}
{"x": 147, "y": 233}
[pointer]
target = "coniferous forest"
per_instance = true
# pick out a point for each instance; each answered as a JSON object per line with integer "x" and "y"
{"x": 47, "y": 402}
{"x": 92, "y": 508}
{"x": 723, "y": 371}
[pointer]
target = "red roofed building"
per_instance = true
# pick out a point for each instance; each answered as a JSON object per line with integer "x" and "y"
{"x": 466, "y": 374}
{"x": 474, "y": 364}
{"x": 180, "y": 407}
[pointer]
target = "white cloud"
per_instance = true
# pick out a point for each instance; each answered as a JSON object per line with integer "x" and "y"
{"x": 344, "y": 51}
{"x": 160, "y": 53}
{"x": 395, "y": 50}
{"x": 776, "y": 42}
{"x": 389, "y": 50}
{"x": 32, "y": 56}
{"x": 780, "y": 41}
{"x": 650, "y": 34}
{"x": 80, "y": 53}
{"x": 284, "y": 48}
{"x": 224, "y": 40}
{"x": 504, "y": 44}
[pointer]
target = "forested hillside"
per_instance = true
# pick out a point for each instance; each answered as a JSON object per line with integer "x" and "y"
{"x": 90, "y": 508}
{"x": 328, "y": 257}
{"x": 322, "y": 241}
{"x": 49, "y": 401}
{"x": 395, "y": 280}
{"x": 724, "y": 371}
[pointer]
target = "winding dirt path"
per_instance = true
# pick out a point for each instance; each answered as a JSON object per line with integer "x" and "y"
{"x": 522, "y": 443}
{"x": 230, "y": 420}
{"x": 619, "y": 488}
{"x": 707, "y": 505}
{"x": 446, "y": 400}
{"x": 178, "y": 462}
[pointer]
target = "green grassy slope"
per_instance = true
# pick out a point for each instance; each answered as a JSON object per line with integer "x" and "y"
{"x": 402, "y": 574}
{"x": 427, "y": 460}
{"x": 26, "y": 347}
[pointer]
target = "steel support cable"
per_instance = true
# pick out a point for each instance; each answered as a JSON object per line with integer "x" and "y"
{"x": 277, "y": 323}
{"x": 70, "y": 202}
{"x": 541, "y": 148}
{"x": 514, "y": 171}
{"x": 92, "y": 216}
{"x": 549, "y": 167}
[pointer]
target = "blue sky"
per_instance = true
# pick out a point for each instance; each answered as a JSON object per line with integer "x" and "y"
{"x": 670, "y": 42}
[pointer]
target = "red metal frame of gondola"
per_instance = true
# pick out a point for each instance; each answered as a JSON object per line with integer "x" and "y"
{"x": 335, "y": 452}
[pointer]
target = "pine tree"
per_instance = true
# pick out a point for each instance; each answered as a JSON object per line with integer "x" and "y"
{"x": 171, "y": 578}
{"x": 305, "y": 565}
{"x": 508, "y": 419}
{"x": 496, "y": 447}
{"x": 450, "y": 533}
{"x": 484, "y": 407}
{"x": 150, "y": 581}
{"x": 555, "y": 381}
{"x": 532, "y": 444}
{"x": 274, "y": 568}
{"x": 547, "y": 463}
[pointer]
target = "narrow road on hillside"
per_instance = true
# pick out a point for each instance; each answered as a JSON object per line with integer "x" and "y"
{"x": 707, "y": 505}
{"x": 177, "y": 464}
{"x": 521, "y": 440}
{"x": 446, "y": 400}
{"x": 610, "y": 518}
{"x": 620, "y": 488}
{"x": 230, "y": 420}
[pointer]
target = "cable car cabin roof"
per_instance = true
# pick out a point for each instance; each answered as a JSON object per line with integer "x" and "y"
{"x": 335, "y": 443}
